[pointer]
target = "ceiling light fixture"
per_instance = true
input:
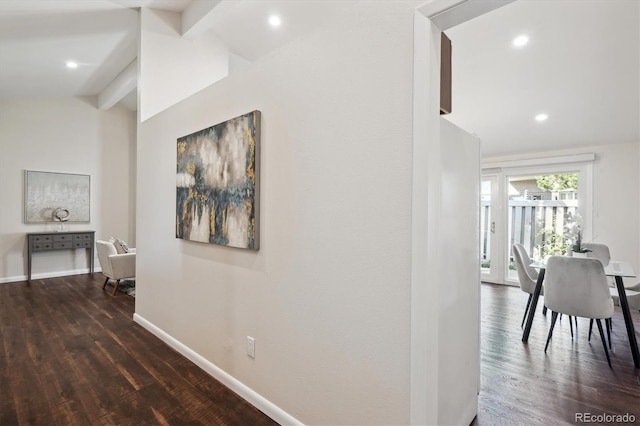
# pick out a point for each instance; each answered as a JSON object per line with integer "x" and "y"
{"x": 520, "y": 41}
{"x": 542, "y": 117}
{"x": 71, "y": 64}
{"x": 275, "y": 21}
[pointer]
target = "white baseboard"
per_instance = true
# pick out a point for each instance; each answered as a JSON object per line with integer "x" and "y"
{"x": 44, "y": 275}
{"x": 261, "y": 403}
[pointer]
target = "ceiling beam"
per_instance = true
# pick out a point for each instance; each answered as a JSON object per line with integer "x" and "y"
{"x": 119, "y": 87}
{"x": 447, "y": 14}
{"x": 196, "y": 19}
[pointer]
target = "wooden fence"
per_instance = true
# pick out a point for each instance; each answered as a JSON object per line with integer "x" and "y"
{"x": 527, "y": 221}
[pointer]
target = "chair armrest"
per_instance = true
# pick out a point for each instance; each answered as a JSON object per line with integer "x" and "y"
{"x": 123, "y": 265}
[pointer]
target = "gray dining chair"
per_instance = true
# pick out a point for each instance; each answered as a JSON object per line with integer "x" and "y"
{"x": 527, "y": 276}
{"x": 601, "y": 252}
{"x": 633, "y": 296}
{"x": 577, "y": 287}
{"x": 598, "y": 251}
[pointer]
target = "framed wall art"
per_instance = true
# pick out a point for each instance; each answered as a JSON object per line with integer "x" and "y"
{"x": 54, "y": 197}
{"x": 217, "y": 184}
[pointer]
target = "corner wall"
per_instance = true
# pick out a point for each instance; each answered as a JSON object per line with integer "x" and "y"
{"x": 172, "y": 68}
{"x": 327, "y": 297}
{"x": 68, "y": 135}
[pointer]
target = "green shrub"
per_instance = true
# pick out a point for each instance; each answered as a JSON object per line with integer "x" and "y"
{"x": 553, "y": 244}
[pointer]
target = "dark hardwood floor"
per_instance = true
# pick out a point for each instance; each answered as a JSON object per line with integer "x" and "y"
{"x": 520, "y": 384}
{"x": 70, "y": 354}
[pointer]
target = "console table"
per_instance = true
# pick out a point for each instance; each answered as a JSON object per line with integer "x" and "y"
{"x": 71, "y": 240}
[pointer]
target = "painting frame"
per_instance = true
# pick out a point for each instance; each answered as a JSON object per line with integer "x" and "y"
{"x": 218, "y": 183}
{"x": 44, "y": 192}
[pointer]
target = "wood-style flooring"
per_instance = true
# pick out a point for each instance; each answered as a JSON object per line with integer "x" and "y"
{"x": 520, "y": 384}
{"x": 70, "y": 354}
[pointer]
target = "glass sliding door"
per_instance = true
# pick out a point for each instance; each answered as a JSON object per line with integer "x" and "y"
{"x": 541, "y": 210}
{"x": 532, "y": 205}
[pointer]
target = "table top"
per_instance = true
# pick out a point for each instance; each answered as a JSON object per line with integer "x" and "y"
{"x": 62, "y": 232}
{"x": 615, "y": 268}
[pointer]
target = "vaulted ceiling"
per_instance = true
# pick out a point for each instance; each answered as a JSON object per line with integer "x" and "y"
{"x": 581, "y": 65}
{"x": 37, "y": 38}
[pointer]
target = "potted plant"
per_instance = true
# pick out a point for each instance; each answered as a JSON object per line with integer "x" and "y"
{"x": 573, "y": 234}
{"x": 577, "y": 249}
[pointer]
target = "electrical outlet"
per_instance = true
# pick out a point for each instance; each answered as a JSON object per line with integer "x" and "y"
{"x": 251, "y": 346}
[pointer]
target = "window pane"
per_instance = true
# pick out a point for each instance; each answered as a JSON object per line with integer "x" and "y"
{"x": 541, "y": 210}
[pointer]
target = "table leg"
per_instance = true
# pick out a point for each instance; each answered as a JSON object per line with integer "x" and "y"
{"x": 534, "y": 304}
{"x": 91, "y": 256}
{"x": 29, "y": 262}
{"x": 628, "y": 320}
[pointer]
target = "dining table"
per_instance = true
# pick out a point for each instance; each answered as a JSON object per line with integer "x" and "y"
{"x": 616, "y": 269}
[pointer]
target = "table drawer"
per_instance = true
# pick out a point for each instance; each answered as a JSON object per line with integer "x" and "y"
{"x": 57, "y": 245}
{"x": 44, "y": 242}
{"x": 41, "y": 238}
{"x": 41, "y": 246}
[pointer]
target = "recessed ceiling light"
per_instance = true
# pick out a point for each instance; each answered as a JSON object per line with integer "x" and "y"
{"x": 71, "y": 64}
{"x": 521, "y": 40}
{"x": 275, "y": 21}
{"x": 542, "y": 117}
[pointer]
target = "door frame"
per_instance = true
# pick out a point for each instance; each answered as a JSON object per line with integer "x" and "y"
{"x": 496, "y": 249}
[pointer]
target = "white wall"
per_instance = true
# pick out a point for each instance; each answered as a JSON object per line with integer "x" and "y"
{"x": 327, "y": 297}
{"x": 616, "y": 201}
{"x": 459, "y": 297}
{"x": 68, "y": 135}
{"x": 173, "y": 68}
{"x": 616, "y": 206}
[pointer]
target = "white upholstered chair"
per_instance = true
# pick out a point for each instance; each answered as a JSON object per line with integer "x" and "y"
{"x": 577, "y": 287}
{"x": 527, "y": 276}
{"x": 115, "y": 266}
{"x": 598, "y": 251}
{"x": 602, "y": 253}
{"x": 633, "y": 296}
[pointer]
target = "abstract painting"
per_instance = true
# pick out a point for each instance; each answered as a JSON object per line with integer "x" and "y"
{"x": 48, "y": 192}
{"x": 217, "y": 188}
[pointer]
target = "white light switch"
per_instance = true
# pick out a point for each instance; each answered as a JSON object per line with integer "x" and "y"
{"x": 251, "y": 347}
